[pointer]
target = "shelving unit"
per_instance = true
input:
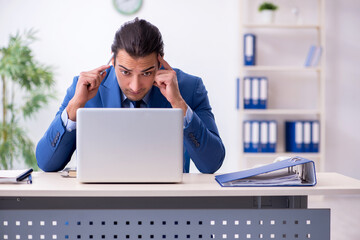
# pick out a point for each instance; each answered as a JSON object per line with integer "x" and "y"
{"x": 280, "y": 114}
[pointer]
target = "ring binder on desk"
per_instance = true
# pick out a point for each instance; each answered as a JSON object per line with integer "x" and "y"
{"x": 295, "y": 171}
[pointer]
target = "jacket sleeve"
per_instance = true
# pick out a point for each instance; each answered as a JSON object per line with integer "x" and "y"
{"x": 201, "y": 136}
{"x": 56, "y": 147}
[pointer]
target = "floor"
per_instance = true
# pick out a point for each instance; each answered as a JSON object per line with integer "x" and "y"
{"x": 345, "y": 215}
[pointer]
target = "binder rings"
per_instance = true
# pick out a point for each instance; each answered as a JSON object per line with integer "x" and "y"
{"x": 295, "y": 171}
{"x": 249, "y": 49}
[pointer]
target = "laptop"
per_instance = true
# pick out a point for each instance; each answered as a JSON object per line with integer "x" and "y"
{"x": 122, "y": 145}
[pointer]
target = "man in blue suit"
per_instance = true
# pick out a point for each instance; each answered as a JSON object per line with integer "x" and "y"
{"x": 139, "y": 77}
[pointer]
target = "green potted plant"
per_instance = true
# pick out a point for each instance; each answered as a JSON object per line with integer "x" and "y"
{"x": 267, "y": 11}
{"x": 26, "y": 86}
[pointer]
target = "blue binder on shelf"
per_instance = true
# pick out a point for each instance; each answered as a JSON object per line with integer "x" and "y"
{"x": 255, "y": 93}
{"x": 295, "y": 171}
{"x": 249, "y": 49}
{"x": 264, "y": 136}
{"x": 315, "y": 136}
{"x": 310, "y": 56}
{"x": 263, "y": 95}
{"x": 255, "y": 136}
{"x": 272, "y": 136}
{"x": 307, "y": 136}
{"x": 247, "y": 135}
{"x": 294, "y": 136}
{"x": 247, "y": 93}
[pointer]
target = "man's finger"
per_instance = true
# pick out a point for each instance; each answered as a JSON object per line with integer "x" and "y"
{"x": 102, "y": 68}
{"x": 164, "y": 63}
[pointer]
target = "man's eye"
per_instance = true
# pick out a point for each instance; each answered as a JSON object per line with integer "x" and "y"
{"x": 147, "y": 74}
{"x": 125, "y": 72}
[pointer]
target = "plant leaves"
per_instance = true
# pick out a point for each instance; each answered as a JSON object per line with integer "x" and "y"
{"x": 36, "y": 81}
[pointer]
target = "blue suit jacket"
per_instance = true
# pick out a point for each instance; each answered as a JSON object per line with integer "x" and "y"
{"x": 202, "y": 142}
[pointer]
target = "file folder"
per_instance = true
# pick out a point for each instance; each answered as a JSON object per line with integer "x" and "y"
{"x": 237, "y": 93}
{"x": 307, "y": 136}
{"x": 294, "y": 136}
{"x": 315, "y": 136}
{"x": 295, "y": 171}
{"x": 272, "y": 136}
{"x": 316, "y": 57}
{"x": 310, "y": 56}
{"x": 247, "y": 136}
{"x": 247, "y": 93}
{"x": 249, "y": 49}
{"x": 255, "y": 136}
{"x": 264, "y": 136}
{"x": 255, "y": 92}
{"x": 263, "y": 93}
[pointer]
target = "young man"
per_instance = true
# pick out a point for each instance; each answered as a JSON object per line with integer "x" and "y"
{"x": 138, "y": 77}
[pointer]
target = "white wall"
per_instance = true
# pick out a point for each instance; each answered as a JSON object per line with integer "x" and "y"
{"x": 201, "y": 38}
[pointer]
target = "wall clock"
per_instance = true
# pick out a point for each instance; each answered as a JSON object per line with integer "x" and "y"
{"x": 127, "y": 7}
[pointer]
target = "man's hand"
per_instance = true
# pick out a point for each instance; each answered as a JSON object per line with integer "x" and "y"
{"x": 166, "y": 81}
{"x": 86, "y": 88}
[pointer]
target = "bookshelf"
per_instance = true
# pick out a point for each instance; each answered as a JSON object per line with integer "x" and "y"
{"x": 289, "y": 74}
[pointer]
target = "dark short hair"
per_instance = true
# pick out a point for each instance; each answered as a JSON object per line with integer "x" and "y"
{"x": 138, "y": 38}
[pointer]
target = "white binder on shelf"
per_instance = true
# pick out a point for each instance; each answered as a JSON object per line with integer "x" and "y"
{"x": 249, "y": 49}
{"x": 264, "y": 136}
{"x": 307, "y": 135}
{"x": 263, "y": 93}
{"x": 255, "y": 92}
{"x": 315, "y": 136}
{"x": 255, "y": 135}
{"x": 247, "y": 136}
{"x": 247, "y": 93}
{"x": 272, "y": 136}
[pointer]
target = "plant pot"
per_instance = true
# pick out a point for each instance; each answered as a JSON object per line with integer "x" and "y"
{"x": 267, "y": 16}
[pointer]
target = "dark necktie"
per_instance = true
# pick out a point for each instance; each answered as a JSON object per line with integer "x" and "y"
{"x": 137, "y": 104}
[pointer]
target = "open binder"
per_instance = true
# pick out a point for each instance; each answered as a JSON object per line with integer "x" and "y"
{"x": 295, "y": 171}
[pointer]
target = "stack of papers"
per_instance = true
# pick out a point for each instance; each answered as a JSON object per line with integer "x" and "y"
{"x": 294, "y": 171}
{"x": 271, "y": 178}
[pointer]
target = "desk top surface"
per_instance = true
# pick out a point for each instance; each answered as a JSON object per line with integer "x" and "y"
{"x": 193, "y": 185}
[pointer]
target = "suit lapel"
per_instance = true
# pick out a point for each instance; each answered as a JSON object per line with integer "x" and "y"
{"x": 110, "y": 91}
{"x": 157, "y": 100}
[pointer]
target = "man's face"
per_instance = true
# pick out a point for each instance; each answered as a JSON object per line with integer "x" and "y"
{"x": 135, "y": 75}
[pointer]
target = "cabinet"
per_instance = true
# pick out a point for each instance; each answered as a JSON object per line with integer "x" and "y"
{"x": 295, "y": 92}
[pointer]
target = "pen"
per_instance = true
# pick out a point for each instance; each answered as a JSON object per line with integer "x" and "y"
{"x": 29, "y": 179}
{"x": 106, "y": 64}
{"x": 24, "y": 175}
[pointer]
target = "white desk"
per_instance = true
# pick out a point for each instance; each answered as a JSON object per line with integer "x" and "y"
{"x": 61, "y": 208}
